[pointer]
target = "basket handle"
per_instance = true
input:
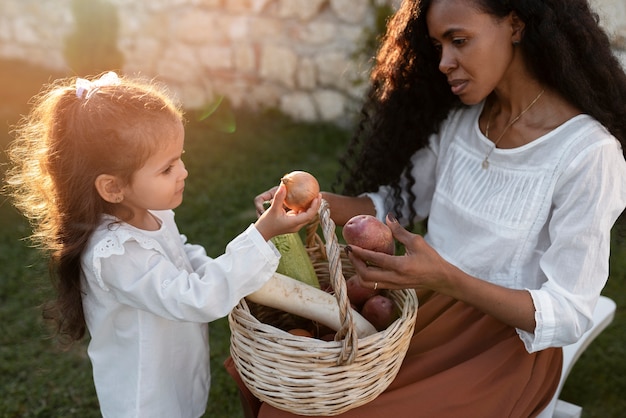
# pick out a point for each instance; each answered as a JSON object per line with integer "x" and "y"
{"x": 347, "y": 332}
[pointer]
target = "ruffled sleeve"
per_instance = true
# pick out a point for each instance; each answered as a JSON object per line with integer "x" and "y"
{"x": 178, "y": 281}
{"x": 112, "y": 244}
{"x": 589, "y": 197}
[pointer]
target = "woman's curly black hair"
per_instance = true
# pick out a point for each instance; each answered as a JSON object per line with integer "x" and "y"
{"x": 409, "y": 97}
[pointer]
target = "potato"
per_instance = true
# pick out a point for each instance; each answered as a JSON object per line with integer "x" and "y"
{"x": 380, "y": 311}
{"x": 358, "y": 294}
{"x": 301, "y": 332}
{"x": 328, "y": 337}
{"x": 367, "y": 232}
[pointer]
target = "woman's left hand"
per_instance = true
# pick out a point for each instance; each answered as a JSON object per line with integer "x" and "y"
{"x": 420, "y": 267}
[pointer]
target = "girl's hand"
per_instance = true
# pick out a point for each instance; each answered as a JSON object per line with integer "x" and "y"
{"x": 276, "y": 220}
{"x": 420, "y": 267}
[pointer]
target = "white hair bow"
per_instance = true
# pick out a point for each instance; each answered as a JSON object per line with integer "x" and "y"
{"x": 87, "y": 88}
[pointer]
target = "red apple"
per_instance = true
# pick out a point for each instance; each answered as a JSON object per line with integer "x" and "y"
{"x": 367, "y": 232}
{"x": 380, "y": 311}
{"x": 357, "y": 293}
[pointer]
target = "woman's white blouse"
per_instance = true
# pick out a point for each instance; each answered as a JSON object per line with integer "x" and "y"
{"x": 147, "y": 297}
{"x": 539, "y": 218}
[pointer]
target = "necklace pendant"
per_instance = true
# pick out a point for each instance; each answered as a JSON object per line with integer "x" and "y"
{"x": 485, "y": 164}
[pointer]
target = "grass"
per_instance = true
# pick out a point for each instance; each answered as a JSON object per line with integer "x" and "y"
{"x": 226, "y": 171}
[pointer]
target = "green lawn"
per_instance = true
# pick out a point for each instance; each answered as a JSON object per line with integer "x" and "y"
{"x": 226, "y": 171}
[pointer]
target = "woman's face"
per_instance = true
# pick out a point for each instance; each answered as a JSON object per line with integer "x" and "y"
{"x": 476, "y": 48}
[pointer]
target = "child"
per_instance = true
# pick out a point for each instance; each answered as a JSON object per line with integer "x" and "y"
{"x": 97, "y": 169}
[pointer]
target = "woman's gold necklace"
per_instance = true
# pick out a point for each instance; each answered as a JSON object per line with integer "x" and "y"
{"x": 485, "y": 163}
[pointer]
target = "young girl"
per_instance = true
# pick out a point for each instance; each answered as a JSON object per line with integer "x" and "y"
{"x": 97, "y": 169}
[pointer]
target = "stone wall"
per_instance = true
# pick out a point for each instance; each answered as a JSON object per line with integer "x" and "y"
{"x": 300, "y": 56}
{"x": 613, "y": 18}
{"x": 294, "y": 55}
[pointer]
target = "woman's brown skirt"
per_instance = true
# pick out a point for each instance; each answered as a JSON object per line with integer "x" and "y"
{"x": 460, "y": 363}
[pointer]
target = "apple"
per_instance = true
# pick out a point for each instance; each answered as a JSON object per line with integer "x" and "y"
{"x": 368, "y": 232}
{"x": 380, "y": 311}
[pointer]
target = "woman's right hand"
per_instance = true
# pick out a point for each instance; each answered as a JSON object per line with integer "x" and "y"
{"x": 261, "y": 200}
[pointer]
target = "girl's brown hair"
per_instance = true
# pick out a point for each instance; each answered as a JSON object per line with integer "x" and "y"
{"x": 59, "y": 150}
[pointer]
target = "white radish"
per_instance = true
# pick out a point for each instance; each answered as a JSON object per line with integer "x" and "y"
{"x": 290, "y": 295}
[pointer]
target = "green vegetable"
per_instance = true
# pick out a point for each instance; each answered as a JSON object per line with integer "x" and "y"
{"x": 294, "y": 260}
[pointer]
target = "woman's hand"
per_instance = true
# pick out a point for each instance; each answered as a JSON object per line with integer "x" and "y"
{"x": 420, "y": 267}
{"x": 263, "y": 198}
{"x": 277, "y": 220}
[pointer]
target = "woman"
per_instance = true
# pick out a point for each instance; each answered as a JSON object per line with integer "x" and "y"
{"x": 502, "y": 123}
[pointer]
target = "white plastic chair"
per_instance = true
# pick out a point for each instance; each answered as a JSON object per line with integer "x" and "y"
{"x": 602, "y": 316}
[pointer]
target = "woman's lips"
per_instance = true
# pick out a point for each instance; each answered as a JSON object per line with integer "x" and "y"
{"x": 457, "y": 86}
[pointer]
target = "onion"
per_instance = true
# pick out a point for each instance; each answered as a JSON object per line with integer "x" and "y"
{"x": 302, "y": 188}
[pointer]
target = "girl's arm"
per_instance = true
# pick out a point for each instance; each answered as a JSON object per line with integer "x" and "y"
{"x": 147, "y": 279}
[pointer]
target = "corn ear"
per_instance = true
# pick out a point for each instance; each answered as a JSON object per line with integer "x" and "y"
{"x": 294, "y": 260}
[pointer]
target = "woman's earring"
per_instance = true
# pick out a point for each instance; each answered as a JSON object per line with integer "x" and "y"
{"x": 516, "y": 43}
{"x": 118, "y": 199}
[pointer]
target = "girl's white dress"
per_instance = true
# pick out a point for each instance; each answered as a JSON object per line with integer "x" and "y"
{"x": 147, "y": 297}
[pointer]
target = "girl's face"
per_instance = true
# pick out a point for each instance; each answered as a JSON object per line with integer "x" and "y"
{"x": 159, "y": 184}
{"x": 476, "y": 49}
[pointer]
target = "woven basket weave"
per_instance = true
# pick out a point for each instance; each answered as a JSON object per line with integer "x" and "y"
{"x": 312, "y": 377}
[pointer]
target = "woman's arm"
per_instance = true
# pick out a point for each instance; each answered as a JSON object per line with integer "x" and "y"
{"x": 423, "y": 268}
{"x": 342, "y": 208}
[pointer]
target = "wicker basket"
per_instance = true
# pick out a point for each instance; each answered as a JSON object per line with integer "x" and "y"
{"x": 312, "y": 377}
